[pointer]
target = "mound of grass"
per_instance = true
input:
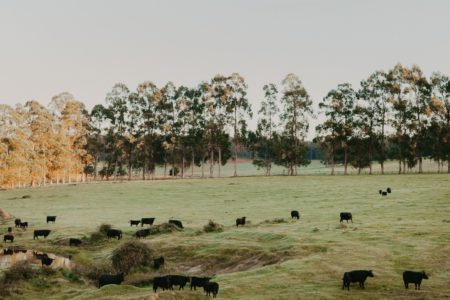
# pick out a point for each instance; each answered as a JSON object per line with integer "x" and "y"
{"x": 19, "y": 271}
{"x": 275, "y": 221}
{"x": 130, "y": 255}
{"x": 92, "y": 271}
{"x": 26, "y": 197}
{"x": 213, "y": 227}
{"x": 100, "y": 234}
{"x": 163, "y": 228}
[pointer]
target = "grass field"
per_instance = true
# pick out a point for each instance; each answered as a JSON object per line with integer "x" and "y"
{"x": 266, "y": 259}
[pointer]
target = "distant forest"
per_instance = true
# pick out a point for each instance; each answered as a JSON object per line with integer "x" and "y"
{"x": 399, "y": 114}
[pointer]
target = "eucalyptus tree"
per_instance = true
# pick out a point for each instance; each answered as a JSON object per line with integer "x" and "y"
{"x": 374, "y": 114}
{"x": 418, "y": 93}
{"x": 117, "y": 100}
{"x": 440, "y": 106}
{"x": 42, "y": 136}
{"x": 148, "y": 99}
{"x": 238, "y": 109}
{"x": 169, "y": 125}
{"x": 339, "y": 107}
{"x": 262, "y": 143}
{"x": 297, "y": 106}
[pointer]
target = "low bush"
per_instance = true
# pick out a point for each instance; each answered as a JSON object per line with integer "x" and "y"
{"x": 130, "y": 255}
{"x": 213, "y": 227}
{"x": 19, "y": 271}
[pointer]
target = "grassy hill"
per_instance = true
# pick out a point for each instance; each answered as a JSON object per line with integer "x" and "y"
{"x": 273, "y": 257}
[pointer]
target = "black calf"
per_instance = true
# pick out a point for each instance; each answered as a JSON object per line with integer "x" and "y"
{"x": 211, "y": 287}
{"x": 158, "y": 262}
{"x": 134, "y": 222}
{"x": 199, "y": 282}
{"x": 17, "y": 222}
{"x": 110, "y": 279}
{"x": 346, "y": 216}
{"x": 51, "y": 219}
{"x": 114, "y": 233}
{"x": 295, "y": 214}
{"x": 74, "y": 242}
{"x": 8, "y": 237}
{"x": 240, "y": 221}
{"x": 355, "y": 276}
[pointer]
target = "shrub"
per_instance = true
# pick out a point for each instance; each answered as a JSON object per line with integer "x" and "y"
{"x": 19, "y": 271}
{"x": 104, "y": 228}
{"x": 92, "y": 271}
{"x": 163, "y": 228}
{"x": 100, "y": 234}
{"x": 130, "y": 255}
{"x": 213, "y": 227}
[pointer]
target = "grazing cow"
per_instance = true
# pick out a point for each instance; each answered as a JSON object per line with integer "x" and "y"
{"x": 8, "y": 251}
{"x": 42, "y": 232}
{"x": 110, "y": 279}
{"x": 389, "y": 190}
{"x": 162, "y": 282}
{"x": 346, "y": 216}
{"x": 147, "y": 221}
{"x": 74, "y": 242}
{"x": 17, "y": 222}
{"x": 179, "y": 280}
{"x": 23, "y": 225}
{"x": 158, "y": 262}
{"x": 8, "y": 237}
{"x": 114, "y": 233}
{"x": 380, "y": 191}
{"x": 176, "y": 223}
{"x": 211, "y": 287}
{"x": 355, "y": 276}
{"x": 295, "y": 214}
{"x": 51, "y": 219}
{"x": 142, "y": 233}
{"x": 199, "y": 282}
{"x": 47, "y": 261}
{"x": 384, "y": 194}
{"x": 134, "y": 222}
{"x": 240, "y": 221}
{"x": 414, "y": 277}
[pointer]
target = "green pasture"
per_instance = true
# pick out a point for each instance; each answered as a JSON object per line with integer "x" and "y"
{"x": 272, "y": 257}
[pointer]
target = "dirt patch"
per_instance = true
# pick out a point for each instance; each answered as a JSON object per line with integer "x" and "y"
{"x": 4, "y": 215}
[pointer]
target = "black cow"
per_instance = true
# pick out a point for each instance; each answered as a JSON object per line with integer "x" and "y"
{"x": 142, "y": 233}
{"x": 20, "y": 250}
{"x": 295, "y": 214}
{"x": 8, "y": 237}
{"x": 40, "y": 256}
{"x": 414, "y": 277}
{"x": 158, "y": 262}
{"x": 384, "y": 194}
{"x": 134, "y": 222}
{"x": 199, "y": 282}
{"x": 9, "y": 229}
{"x": 42, "y": 232}
{"x": 74, "y": 242}
{"x": 114, "y": 233}
{"x": 17, "y": 222}
{"x": 147, "y": 221}
{"x": 162, "y": 282}
{"x": 23, "y": 225}
{"x": 211, "y": 287}
{"x": 179, "y": 280}
{"x": 240, "y": 221}
{"x": 355, "y": 276}
{"x": 8, "y": 251}
{"x": 46, "y": 260}
{"x": 389, "y": 190}
{"x": 176, "y": 223}
{"x": 346, "y": 216}
{"x": 380, "y": 191}
{"x": 51, "y": 219}
{"x": 110, "y": 279}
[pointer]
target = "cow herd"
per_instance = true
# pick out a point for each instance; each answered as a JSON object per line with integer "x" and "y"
{"x": 167, "y": 282}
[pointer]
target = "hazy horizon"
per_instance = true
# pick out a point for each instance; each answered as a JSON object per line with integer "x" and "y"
{"x": 82, "y": 47}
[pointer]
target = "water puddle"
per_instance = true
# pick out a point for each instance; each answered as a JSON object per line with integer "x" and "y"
{"x": 12, "y": 255}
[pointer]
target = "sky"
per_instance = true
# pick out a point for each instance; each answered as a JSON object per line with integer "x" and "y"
{"x": 84, "y": 47}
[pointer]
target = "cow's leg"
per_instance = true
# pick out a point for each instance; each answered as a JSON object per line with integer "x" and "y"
{"x": 406, "y": 285}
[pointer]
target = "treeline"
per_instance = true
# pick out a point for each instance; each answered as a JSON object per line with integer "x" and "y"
{"x": 399, "y": 114}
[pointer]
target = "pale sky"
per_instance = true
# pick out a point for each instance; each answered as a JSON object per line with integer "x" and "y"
{"x": 84, "y": 47}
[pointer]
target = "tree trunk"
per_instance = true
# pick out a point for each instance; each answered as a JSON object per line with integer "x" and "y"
{"x": 192, "y": 164}
{"x": 182, "y": 166}
{"x": 95, "y": 167}
{"x": 220, "y": 158}
{"x": 165, "y": 169}
{"x": 203, "y": 164}
{"x": 143, "y": 169}
{"x": 420, "y": 165}
{"x": 129, "y": 170}
{"x": 404, "y": 166}
{"x": 211, "y": 163}
{"x": 448, "y": 164}
{"x": 382, "y": 167}
{"x": 332, "y": 159}
{"x": 345, "y": 161}
{"x": 399, "y": 166}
